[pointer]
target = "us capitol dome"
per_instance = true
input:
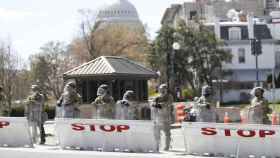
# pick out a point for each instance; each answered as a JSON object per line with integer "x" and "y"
{"x": 119, "y": 12}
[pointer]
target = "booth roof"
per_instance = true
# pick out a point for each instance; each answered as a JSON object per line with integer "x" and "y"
{"x": 110, "y": 66}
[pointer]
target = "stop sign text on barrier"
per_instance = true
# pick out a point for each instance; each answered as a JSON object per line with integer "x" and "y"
{"x": 240, "y": 132}
{"x": 14, "y": 132}
{"x": 4, "y": 124}
{"x": 228, "y": 139}
{"x": 107, "y": 135}
{"x": 97, "y": 127}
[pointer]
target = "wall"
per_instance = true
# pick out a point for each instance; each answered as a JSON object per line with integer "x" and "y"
{"x": 234, "y": 95}
{"x": 266, "y": 59}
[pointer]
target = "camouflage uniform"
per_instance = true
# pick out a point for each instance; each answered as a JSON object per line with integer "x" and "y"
{"x": 125, "y": 109}
{"x": 3, "y": 106}
{"x": 206, "y": 109}
{"x": 67, "y": 103}
{"x": 104, "y": 104}
{"x": 34, "y": 113}
{"x": 162, "y": 114}
{"x": 258, "y": 110}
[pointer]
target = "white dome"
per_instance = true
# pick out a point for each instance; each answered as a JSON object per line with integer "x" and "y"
{"x": 119, "y": 11}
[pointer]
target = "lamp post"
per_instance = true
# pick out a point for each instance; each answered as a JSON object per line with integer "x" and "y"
{"x": 175, "y": 47}
{"x": 256, "y": 50}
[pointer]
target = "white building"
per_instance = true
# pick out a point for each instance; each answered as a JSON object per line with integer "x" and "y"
{"x": 241, "y": 76}
{"x": 118, "y": 12}
{"x": 243, "y": 73}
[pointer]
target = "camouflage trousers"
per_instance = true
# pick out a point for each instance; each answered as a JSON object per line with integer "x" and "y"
{"x": 165, "y": 128}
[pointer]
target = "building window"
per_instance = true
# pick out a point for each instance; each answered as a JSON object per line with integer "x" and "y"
{"x": 234, "y": 33}
{"x": 230, "y": 51}
{"x": 241, "y": 55}
{"x": 193, "y": 14}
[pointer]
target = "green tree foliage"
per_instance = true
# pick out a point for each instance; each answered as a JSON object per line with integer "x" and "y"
{"x": 48, "y": 66}
{"x": 159, "y": 48}
{"x": 200, "y": 52}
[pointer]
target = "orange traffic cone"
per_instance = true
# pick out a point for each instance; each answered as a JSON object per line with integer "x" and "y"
{"x": 274, "y": 118}
{"x": 243, "y": 117}
{"x": 180, "y": 114}
{"x": 226, "y": 118}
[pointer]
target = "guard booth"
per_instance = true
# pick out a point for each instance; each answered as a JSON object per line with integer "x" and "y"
{"x": 119, "y": 73}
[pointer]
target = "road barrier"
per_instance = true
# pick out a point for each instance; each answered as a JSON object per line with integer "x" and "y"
{"x": 14, "y": 132}
{"x": 231, "y": 139}
{"x": 106, "y": 135}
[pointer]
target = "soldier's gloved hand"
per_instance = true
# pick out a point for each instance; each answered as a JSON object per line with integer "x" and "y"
{"x": 125, "y": 103}
{"x": 207, "y": 106}
{"x": 158, "y": 106}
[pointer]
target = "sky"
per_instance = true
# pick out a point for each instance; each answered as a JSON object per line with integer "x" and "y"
{"x": 29, "y": 24}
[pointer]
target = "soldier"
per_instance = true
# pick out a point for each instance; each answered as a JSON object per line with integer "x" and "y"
{"x": 34, "y": 113}
{"x": 162, "y": 109}
{"x": 258, "y": 110}
{"x": 206, "y": 109}
{"x": 124, "y": 108}
{"x": 3, "y": 108}
{"x": 104, "y": 103}
{"x": 68, "y": 101}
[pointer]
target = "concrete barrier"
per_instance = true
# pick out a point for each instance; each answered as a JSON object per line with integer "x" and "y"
{"x": 14, "y": 132}
{"x": 106, "y": 135}
{"x": 240, "y": 140}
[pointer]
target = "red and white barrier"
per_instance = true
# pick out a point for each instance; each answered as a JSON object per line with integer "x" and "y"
{"x": 14, "y": 132}
{"x": 107, "y": 135}
{"x": 232, "y": 139}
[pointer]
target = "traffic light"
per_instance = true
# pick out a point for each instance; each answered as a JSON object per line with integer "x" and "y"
{"x": 256, "y": 46}
{"x": 253, "y": 46}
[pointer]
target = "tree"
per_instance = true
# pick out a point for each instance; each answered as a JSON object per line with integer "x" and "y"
{"x": 109, "y": 39}
{"x": 48, "y": 66}
{"x": 157, "y": 57}
{"x": 200, "y": 53}
{"x": 9, "y": 65}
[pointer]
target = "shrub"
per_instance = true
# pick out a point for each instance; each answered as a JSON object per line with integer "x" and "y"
{"x": 187, "y": 94}
{"x": 152, "y": 92}
{"x": 19, "y": 111}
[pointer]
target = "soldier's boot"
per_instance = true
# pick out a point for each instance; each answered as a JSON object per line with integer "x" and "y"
{"x": 167, "y": 143}
{"x": 42, "y": 134}
{"x": 167, "y": 140}
{"x": 34, "y": 133}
